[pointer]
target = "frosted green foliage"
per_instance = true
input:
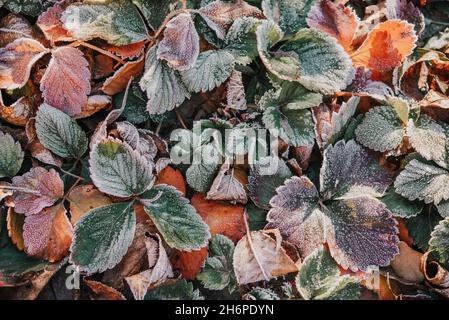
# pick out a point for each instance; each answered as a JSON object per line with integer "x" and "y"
{"x": 295, "y": 126}
{"x": 429, "y": 139}
{"x": 361, "y": 232}
{"x": 284, "y": 65}
{"x": 175, "y": 218}
{"x": 330, "y": 125}
{"x": 443, "y": 208}
{"x": 28, "y": 7}
{"x": 290, "y": 95}
{"x": 118, "y": 170}
{"x": 289, "y": 14}
{"x": 218, "y": 271}
{"x": 259, "y": 293}
{"x": 423, "y": 181}
{"x": 11, "y": 156}
{"x": 319, "y": 278}
{"x": 102, "y": 237}
{"x": 400, "y": 206}
{"x": 163, "y": 85}
{"x": 59, "y": 133}
{"x": 135, "y": 106}
{"x": 117, "y": 22}
{"x": 155, "y": 11}
{"x": 421, "y": 226}
{"x": 439, "y": 241}
{"x": 241, "y": 40}
{"x": 381, "y": 129}
{"x": 174, "y": 290}
{"x": 201, "y": 176}
{"x": 212, "y": 69}
{"x": 296, "y": 214}
{"x": 262, "y": 187}
{"x": 324, "y": 65}
{"x": 348, "y": 164}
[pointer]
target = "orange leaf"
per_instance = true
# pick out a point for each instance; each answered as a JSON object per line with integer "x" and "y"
{"x": 222, "y": 218}
{"x": 16, "y": 61}
{"x": 15, "y": 228}
{"x": 100, "y": 291}
{"x": 51, "y": 25}
{"x": 83, "y": 199}
{"x": 66, "y": 83}
{"x": 189, "y": 263}
{"x": 119, "y": 80}
{"x": 173, "y": 178}
{"x": 128, "y": 51}
{"x": 386, "y": 46}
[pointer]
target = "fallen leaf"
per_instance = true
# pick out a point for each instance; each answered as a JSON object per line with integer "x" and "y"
{"x": 83, "y": 199}
{"x": 100, "y": 291}
{"x": 172, "y": 177}
{"x": 407, "y": 264}
{"x": 119, "y": 80}
{"x": 190, "y": 263}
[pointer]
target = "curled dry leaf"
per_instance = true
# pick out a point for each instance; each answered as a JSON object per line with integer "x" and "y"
{"x": 407, "y": 264}
{"x": 94, "y": 104}
{"x": 19, "y": 112}
{"x": 229, "y": 185}
{"x": 258, "y": 257}
{"x": 100, "y": 291}
{"x": 15, "y": 223}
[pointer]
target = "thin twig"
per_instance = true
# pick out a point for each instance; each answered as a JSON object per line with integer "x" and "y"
{"x": 71, "y": 174}
{"x": 71, "y": 189}
{"x": 95, "y": 48}
{"x": 181, "y": 120}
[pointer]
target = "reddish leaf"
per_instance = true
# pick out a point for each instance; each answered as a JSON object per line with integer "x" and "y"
{"x": 173, "y": 178}
{"x": 41, "y": 189}
{"x": 128, "y": 51}
{"x": 16, "y": 61}
{"x": 119, "y": 80}
{"x": 100, "y": 291}
{"x": 66, "y": 83}
{"x": 189, "y": 263}
{"x": 51, "y": 25}
{"x": 48, "y": 234}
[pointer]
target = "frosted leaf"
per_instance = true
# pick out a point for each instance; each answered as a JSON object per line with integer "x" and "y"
{"x": 406, "y": 10}
{"x": 28, "y": 7}
{"x": 118, "y": 170}
{"x": 118, "y": 22}
{"x": 443, "y": 208}
{"x": 164, "y": 87}
{"x": 381, "y": 129}
{"x": 236, "y": 98}
{"x": 41, "y": 189}
{"x": 217, "y": 272}
{"x": 400, "y": 206}
{"x": 171, "y": 211}
{"x": 348, "y": 164}
{"x": 319, "y": 278}
{"x": 361, "y": 232}
{"x": 155, "y": 11}
{"x": 102, "y": 237}
{"x": 262, "y": 187}
{"x": 363, "y": 83}
{"x": 295, "y": 126}
{"x": 50, "y": 24}
{"x": 16, "y": 61}
{"x": 11, "y": 156}
{"x": 201, "y": 176}
{"x": 48, "y": 234}
{"x": 83, "y": 198}
{"x": 439, "y": 240}
{"x": 258, "y": 293}
{"x": 118, "y": 82}
{"x": 140, "y": 140}
{"x": 59, "y": 133}
{"x": 324, "y": 66}
{"x": 241, "y": 40}
{"x": 386, "y": 46}
{"x": 159, "y": 269}
{"x": 296, "y": 214}
{"x": 181, "y": 44}
{"x": 428, "y": 138}
{"x": 289, "y": 14}
{"x": 227, "y": 186}
{"x": 220, "y": 15}
{"x": 212, "y": 68}
{"x": 423, "y": 181}
{"x": 128, "y": 133}
{"x": 335, "y": 19}
{"x": 174, "y": 290}
{"x": 290, "y": 95}
{"x": 66, "y": 82}
{"x": 330, "y": 122}
{"x": 258, "y": 257}
{"x": 282, "y": 64}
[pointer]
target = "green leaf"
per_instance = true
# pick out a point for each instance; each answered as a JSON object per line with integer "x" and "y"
{"x": 118, "y": 170}
{"x": 218, "y": 271}
{"x": 282, "y": 64}
{"x": 174, "y": 290}
{"x": 400, "y": 206}
{"x": 421, "y": 226}
{"x": 319, "y": 278}
{"x": 324, "y": 65}
{"x": 155, "y": 11}
{"x": 118, "y": 22}
{"x": 289, "y": 14}
{"x": 28, "y": 7}
{"x": 381, "y": 129}
{"x": 11, "y": 156}
{"x": 423, "y": 181}
{"x": 102, "y": 237}
{"x": 295, "y": 126}
{"x": 443, "y": 208}
{"x": 212, "y": 68}
{"x": 59, "y": 133}
{"x": 241, "y": 40}
{"x": 136, "y": 105}
{"x": 177, "y": 221}
{"x": 259, "y": 293}
{"x": 164, "y": 87}
{"x": 439, "y": 241}
{"x": 201, "y": 176}
{"x": 257, "y": 217}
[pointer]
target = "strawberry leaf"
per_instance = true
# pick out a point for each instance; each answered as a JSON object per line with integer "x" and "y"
{"x": 439, "y": 241}
{"x": 11, "y": 157}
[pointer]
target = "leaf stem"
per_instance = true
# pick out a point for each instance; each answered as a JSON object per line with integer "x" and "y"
{"x": 95, "y": 48}
{"x": 181, "y": 120}
{"x": 168, "y": 18}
